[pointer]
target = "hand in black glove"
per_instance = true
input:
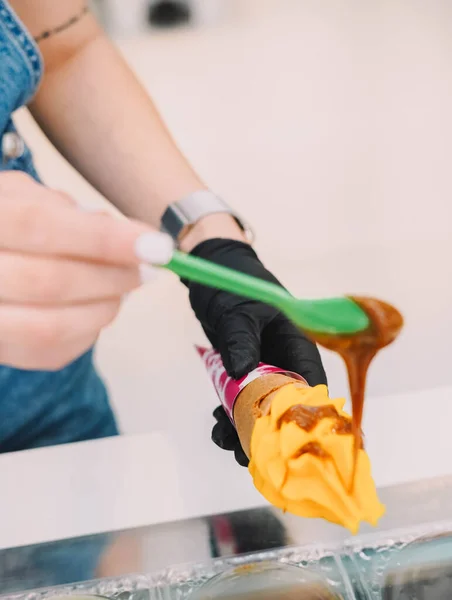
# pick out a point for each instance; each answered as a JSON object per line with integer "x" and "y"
{"x": 246, "y": 332}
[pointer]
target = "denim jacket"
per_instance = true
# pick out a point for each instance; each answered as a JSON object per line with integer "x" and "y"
{"x": 39, "y": 408}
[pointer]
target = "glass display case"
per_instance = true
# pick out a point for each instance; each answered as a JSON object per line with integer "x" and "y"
{"x": 414, "y": 564}
{"x": 251, "y": 553}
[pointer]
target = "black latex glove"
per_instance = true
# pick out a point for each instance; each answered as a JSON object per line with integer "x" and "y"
{"x": 246, "y": 332}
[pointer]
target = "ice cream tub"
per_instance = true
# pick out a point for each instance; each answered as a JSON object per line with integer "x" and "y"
{"x": 267, "y": 581}
{"x": 413, "y": 564}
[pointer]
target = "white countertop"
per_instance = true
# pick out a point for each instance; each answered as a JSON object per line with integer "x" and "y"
{"x": 136, "y": 480}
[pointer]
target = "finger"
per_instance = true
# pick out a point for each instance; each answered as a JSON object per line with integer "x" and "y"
{"x": 284, "y": 346}
{"x": 241, "y": 457}
{"x": 239, "y": 343}
{"x": 59, "y": 198}
{"x": 13, "y": 185}
{"x": 225, "y": 436}
{"x": 45, "y": 228}
{"x": 38, "y": 280}
{"x": 43, "y": 328}
{"x": 21, "y": 186}
{"x": 219, "y": 414}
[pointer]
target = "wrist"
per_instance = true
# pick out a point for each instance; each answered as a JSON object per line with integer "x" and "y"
{"x": 212, "y": 226}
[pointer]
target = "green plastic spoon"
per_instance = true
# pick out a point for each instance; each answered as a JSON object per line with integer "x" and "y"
{"x": 330, "y": 316}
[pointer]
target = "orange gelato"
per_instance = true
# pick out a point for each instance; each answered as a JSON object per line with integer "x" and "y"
{"x": 302, "y": 453}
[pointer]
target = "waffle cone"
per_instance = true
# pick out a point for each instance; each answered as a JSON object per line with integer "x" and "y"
{"x": 254, "y": 401}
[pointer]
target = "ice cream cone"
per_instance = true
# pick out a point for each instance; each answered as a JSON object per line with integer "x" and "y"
{"x": 254, "y": 401}
{"x": 300, "y": 444}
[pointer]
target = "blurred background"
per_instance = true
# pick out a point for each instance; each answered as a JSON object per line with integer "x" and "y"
{"x": 328, "y": 125}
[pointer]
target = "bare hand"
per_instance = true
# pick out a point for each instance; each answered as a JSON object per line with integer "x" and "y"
{"x": 63, "y": 272}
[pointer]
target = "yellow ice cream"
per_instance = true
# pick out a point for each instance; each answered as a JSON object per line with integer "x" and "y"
{"x": 301, "y": 459}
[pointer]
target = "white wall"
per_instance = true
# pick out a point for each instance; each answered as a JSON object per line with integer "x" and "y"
{"x": 329, "y": 126}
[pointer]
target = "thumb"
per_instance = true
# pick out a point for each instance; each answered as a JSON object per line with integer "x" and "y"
{"x": 239, "y": 343}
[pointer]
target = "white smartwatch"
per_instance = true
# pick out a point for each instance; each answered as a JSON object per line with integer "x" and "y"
{"x": 182, "y": 215}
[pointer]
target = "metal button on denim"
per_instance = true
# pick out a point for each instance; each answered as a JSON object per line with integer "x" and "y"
{"x": 13, "y": 146}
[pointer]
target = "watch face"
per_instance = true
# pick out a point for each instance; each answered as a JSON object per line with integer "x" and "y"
{"x": 173, "y": 222}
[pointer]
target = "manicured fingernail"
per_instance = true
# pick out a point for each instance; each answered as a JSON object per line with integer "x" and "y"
{"x": 155, "y": 248}
{"x": 147, "y": 273}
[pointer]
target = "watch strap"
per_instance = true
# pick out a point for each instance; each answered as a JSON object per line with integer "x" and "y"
{"x": 185, "y": 213}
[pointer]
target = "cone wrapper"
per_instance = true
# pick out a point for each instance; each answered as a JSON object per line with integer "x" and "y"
{"x": 228, "y": 389}
{"x": 301, "y": 447}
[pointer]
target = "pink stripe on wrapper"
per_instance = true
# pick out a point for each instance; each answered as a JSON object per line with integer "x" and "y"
{"x": 227, "y": 388}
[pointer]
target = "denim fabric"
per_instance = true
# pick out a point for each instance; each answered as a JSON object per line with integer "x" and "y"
{"x": 21, "y": 64}
{"x": 41, "y": 408}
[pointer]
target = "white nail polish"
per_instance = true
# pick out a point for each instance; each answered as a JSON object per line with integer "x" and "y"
{"x": 147, "y": 273}
{"x": 155, "y": 248}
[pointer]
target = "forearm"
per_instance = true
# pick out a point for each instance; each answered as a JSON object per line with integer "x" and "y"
{"x": 100, "y": 118}
{"x": 97, "y": 114}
